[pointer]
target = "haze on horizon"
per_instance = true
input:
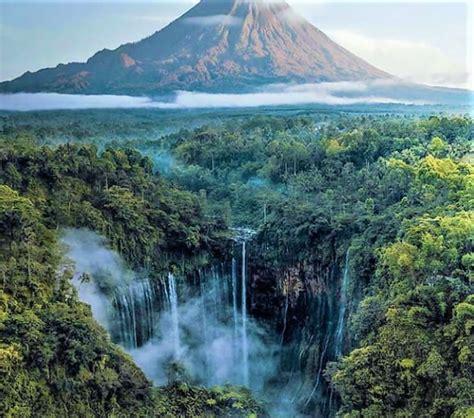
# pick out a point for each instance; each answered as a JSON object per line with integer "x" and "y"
{"x": 426, "y": 42}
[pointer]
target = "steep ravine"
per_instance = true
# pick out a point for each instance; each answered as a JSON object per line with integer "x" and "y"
{"x": 241, "y": 321}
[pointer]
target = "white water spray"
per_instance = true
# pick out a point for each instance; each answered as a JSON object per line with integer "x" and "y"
{"x": 339, "y": 338}
{"x": 235, "y": 313}
{"x": 245, "y": 347}
{"x": 173, "y": 301}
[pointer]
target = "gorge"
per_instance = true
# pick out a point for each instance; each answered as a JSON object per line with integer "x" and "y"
{"x": 207, "y": 328}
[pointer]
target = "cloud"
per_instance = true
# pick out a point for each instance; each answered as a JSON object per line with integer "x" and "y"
{"x": 91, "y": 257}
{"x": 413, "y": 61}
{"x": 56, "y": 101}
{"x": 340, "y": 93}
{"x": 213, "y": 20}
{"x": 322, "y": 93}
{"x": 290, "y": 15}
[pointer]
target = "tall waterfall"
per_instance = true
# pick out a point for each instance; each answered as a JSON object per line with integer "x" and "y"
{"x": 242, "y": 236}
{"x": 135, "y": 306}
{"x": 245, "y": 348}
{"x": 339, "y": 337}
{"x": 173, "y": 302}
{"x": 285, "y": 317}
{"x": 235, "y": 314}
{"x": 201, "y": 322}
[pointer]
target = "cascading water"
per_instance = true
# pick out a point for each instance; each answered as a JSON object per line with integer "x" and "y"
{"x": 286, "y": 291}
{"x": 135, "y": 306}
{"x": 202, "y": 324}
{"x": 312, "y": 327}
{"x": 235, "y": 314}
{"x": 242, "y": 236}
{"x": 173, "y": 302}
{"x": 339, "y": 336}
{"x": 245, "y": 349}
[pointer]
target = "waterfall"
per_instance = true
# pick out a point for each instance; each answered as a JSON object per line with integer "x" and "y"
{"x": 322, "y": 358}
{"x": 235, "y": 314}
{"x": 245, "y": 348}
{"x": 205, "y": 333}
{"x": 126, "y": 310}
{"x": 201, "y": 321}
{"x": 285, "y": 317}
{"x": 242, "y": 236}
{"x": 173, "y": 302}
{"x": 135, "y": 312}
{"x": 339, "y": 337}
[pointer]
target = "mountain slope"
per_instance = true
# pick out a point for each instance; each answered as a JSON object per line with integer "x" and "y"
{"x": 217, "y": 45}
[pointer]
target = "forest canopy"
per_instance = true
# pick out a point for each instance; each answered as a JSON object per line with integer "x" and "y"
{"x": 396, "y": 191}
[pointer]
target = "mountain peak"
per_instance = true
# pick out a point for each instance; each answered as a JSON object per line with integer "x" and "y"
{"x": 218, "y": 45}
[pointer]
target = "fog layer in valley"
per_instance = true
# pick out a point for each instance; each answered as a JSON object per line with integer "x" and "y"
{"x": 338, "y": 93}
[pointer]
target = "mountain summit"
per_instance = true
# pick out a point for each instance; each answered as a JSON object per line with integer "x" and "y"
{"x": 226, "y": 45}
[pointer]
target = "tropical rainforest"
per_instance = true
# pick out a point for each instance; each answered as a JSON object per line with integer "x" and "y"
{"x": 355, "y": 268}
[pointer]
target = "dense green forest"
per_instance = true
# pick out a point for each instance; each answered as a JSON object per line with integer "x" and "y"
{"x": 55, "y": 360}
{"x": 399, "y": 193}
{"x": 394, "y": 192}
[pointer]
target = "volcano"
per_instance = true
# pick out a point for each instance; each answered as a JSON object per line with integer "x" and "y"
{"x": 227, "y": 45}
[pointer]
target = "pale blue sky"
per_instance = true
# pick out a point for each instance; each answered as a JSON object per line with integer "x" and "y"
{"x": 422, "y": 41}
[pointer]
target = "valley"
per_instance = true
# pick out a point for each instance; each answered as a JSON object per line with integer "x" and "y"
{"x": 345, "y": 251}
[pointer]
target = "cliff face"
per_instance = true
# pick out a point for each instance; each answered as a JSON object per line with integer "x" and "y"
{"x": 224, "y": 45}
{"x": 308, "y": 304}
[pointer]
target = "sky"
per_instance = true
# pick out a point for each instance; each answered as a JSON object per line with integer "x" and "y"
{"x": 426, "y": 41}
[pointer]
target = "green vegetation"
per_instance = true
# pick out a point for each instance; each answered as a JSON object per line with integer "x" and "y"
{"x": 399, "y": 191}
{"x": 54, "y": 359}
{"x": 419, "y": 358}
{"x": 150, "y": 222}
{"x": 181, "y": 399}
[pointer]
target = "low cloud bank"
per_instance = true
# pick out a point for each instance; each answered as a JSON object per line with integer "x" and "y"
{"x": 337, "y": 93}
{"x": 281, "y": 95}
{"x": 55, "y": 101}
